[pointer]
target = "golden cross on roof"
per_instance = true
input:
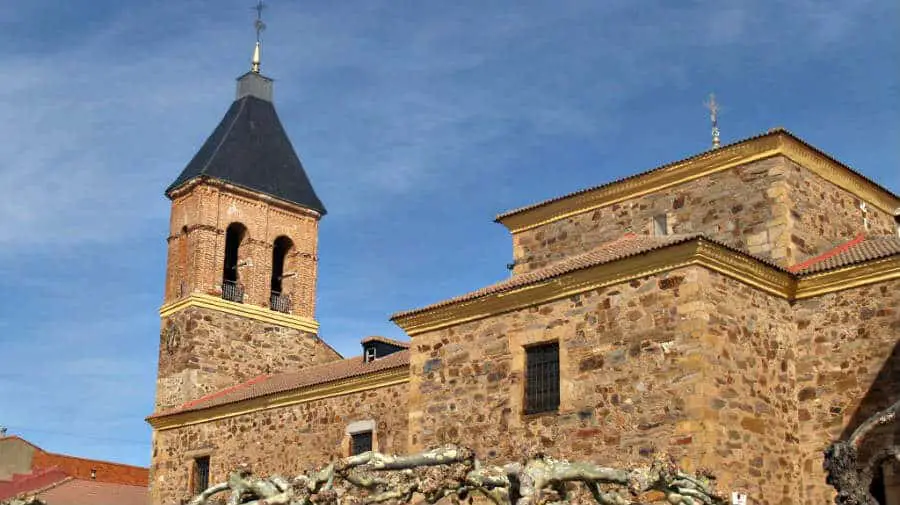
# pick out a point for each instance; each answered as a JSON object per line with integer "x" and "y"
{"x": 260, "y": 26}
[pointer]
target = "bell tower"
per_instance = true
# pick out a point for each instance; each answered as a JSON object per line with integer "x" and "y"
{"x": 240, "y": 289}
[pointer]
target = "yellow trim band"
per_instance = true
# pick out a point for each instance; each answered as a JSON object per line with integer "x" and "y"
{"x": 766, "y": 146}
{"x": 284, "y": 399}
{"x": 205, "y": 301}
{"x": 849, "y": 277}
{"x": 696, "y": 252}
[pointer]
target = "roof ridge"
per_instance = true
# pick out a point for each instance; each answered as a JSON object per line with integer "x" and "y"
{"x": 224, "y": 391}
{"x": 95, "y": 460}
{"x": 574, "y": 263}
{"x": 771, "y": 132}
{"x": 391, "y": 361}
{"x": 834, "y": 251}
{"x": 386, "y": 340}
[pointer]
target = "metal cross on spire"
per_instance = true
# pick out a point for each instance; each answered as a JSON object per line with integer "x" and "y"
{"x": 260, "y": 26}
{"x": 713, "y": 107}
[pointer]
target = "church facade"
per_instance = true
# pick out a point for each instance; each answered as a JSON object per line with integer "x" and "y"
{"x": 739, "y": 309}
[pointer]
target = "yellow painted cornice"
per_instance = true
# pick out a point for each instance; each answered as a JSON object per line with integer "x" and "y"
{"x": 776, "y": 143}
{"x": 701, "y": 252}
{"x": 351, "y": 385}
{"x": 848, "y": 277}
{"x": 205, "y": 301}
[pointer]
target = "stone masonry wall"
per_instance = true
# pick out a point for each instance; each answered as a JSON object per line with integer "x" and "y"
{"x": 196, "y": 247}
{"x": 772, "y": 208}
{"x": 848, "y": 368}
{"x": 749, "y": 392}
{"x": 823, "y": 215}
{"x": 631, "y": 369}
{"x": 743, "y": 207}
{"x": 211, "y": 350}
{"x": 286, "y": 440}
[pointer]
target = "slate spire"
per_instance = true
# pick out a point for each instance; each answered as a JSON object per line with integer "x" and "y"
{"x": 249, "y": 148}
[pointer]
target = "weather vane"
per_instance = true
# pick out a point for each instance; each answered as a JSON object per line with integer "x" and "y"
{"x": 260, "y": 26}
{"x": 713, "y": 107}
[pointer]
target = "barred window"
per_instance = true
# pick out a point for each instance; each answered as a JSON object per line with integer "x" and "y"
{"x": 201, "y": 474}
{"x": 542, "y": 378}
{"x": 360, "y": 442}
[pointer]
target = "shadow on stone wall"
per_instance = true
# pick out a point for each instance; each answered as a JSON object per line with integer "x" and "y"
{"x": 884, "y": 391}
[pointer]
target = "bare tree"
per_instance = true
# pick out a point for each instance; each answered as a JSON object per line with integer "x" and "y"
{"x": 455, "y": 473}
{"x": 850, "y": 477}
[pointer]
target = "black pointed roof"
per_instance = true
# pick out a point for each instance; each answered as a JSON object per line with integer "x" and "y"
{"x": 249, "y": 148}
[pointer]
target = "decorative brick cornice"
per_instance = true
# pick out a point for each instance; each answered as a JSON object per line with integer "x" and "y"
{"x": 206, "y": 301}
{"x": 776, "y": 143}
{"x": 357, "y": 384}
{"x": 249, "y": 196}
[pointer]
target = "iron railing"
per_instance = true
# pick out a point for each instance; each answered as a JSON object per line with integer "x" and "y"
{"x": 232, "y": 291}
{"x": 280, "y": 302}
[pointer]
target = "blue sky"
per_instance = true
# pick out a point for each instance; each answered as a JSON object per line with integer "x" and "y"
{"x": 418, "y": 122}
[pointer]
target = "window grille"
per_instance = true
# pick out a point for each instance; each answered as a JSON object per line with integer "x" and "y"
{"x": 232, "y": 291}
{"x": 201, "y": 474}
{"x": 542, "y": 378}
{"x": 370, "y": 354}
{"x": 361, "y": 442}
{"x": 279, "y": 302}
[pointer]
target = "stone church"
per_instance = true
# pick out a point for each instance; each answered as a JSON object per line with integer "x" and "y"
{"x": 738, "y": 309}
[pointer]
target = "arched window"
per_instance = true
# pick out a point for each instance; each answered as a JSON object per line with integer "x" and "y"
{"x": 280, "y": 249}
{"x": 231, "y": 290}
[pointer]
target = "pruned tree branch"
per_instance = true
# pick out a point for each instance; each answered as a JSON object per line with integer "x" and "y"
{"x": 455, "y": 472}
{"x": 850, "y": 478}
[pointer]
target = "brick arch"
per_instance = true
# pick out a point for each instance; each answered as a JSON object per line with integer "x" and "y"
{"x": 283, "y": 270}
{"x": 237, "y": 236}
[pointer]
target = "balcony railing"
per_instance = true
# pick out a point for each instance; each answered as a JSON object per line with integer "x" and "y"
{"x": 233, "y": 292}
{"x": 280, "y": 302}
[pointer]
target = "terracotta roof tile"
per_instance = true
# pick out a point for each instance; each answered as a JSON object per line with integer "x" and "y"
{"x": 105, "y": 471}
{"x": 627, "y": 246}
{"x": 860, "y": 249}
{"x": 37, "y": 479}
{"x": 74, "y": 466}
{"x": 278, "y": 383}
{"x": 91, "y": 492}
{"x": 385, "y": 340}
{"x": 773, "y": 131}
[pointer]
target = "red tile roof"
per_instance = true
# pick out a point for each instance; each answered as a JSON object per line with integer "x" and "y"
{"x": 91, "y": 492}
{"x": 21, "y": 483}
{"x": 385, "y": 340}
{"x": 104, "y": 471}
{"x": 859, "y": 249}
{"x": 73, "y": 466}
{"x": 313, "y": 376}
{"x": 625, "y": 247}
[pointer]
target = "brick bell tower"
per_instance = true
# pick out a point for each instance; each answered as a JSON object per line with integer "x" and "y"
{"x": 241, "y": 273}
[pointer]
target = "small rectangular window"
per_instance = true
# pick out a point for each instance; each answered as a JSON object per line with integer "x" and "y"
{"x": 201, "y": 474}
{"x": 542, "y": 378}
{"x": 360, "y": 442}
{"x": 660, "y": 225}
